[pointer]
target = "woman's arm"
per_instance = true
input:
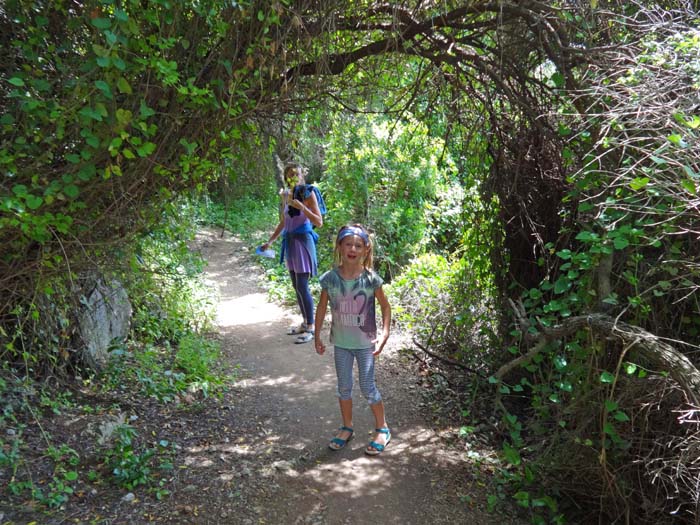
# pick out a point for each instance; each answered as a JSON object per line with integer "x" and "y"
{"x": 274, "y": 235}
{"x": 310, "y": 209}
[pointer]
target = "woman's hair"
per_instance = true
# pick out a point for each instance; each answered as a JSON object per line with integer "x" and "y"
{"x": 294, "y": 167}
{"x": 362, "y": 233}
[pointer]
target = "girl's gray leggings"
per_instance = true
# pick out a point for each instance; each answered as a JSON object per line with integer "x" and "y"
{"x": 344, "y": 360}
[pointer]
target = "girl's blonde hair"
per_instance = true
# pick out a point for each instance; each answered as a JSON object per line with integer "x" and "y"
{"x": 362, "y": 233}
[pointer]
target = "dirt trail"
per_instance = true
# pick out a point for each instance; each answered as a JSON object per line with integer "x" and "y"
{"x": 273, "y": 466}
{"x": 259, "y": 453}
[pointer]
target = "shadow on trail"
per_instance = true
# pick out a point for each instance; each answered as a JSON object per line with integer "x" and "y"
{"x": 275, "y": 466}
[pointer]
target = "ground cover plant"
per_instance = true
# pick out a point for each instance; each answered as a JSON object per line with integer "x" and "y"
{"x": 542, "y": 163}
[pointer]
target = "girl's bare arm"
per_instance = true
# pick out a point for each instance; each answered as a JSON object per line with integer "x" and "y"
{"x": 386, "y": 319}
{"x": 318, "y": 322}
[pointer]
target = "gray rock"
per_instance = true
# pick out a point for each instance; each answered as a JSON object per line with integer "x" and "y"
{"x": 105, "y": 318}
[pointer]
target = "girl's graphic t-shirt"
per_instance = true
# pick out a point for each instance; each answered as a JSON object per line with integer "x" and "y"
{"x": 354, "y": 325}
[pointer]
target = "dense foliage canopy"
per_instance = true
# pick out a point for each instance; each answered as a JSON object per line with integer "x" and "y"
{"x": 570, "y": 129}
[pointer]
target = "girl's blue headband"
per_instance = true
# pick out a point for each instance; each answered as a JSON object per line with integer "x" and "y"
{"x": 353, "y": 230}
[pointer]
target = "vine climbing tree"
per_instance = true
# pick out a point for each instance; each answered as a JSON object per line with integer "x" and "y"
{"x": 585, "y": 115}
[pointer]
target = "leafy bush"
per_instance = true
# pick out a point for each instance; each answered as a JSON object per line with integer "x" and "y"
{"x": 463, "y": 323}
{"x": 166, "y": 285}
{"x": 372, "y": 162}
{"x": 197, "y": 358}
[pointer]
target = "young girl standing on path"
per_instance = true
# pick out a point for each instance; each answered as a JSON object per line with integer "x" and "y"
{"x": 302, "y": 210}
{"x": 351, "y": 287}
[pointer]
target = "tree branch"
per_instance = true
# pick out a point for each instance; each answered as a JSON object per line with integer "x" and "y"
{"x": 660, "y": 354}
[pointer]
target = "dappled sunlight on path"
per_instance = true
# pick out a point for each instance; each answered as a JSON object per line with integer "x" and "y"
{"x": 243, "y": 310}
{"x": 285, "y": 397}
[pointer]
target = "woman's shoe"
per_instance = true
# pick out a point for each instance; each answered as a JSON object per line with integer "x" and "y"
{"x": 304, "y": 338}
{"x": 338, "y": 443}
{"x": 296, "y": 330}
{"x": 374, "y": 448}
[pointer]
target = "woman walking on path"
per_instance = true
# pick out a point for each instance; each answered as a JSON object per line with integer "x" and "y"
{"x": 302, "y": 210}
{"x": 351, "y": 288}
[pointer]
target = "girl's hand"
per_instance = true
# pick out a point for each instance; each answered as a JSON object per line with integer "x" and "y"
{"x": 379, "y": 343}
{"x": 320, "y": 347}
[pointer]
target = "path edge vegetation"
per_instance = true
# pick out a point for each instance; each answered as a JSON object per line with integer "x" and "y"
{"x": 567, "y": 268}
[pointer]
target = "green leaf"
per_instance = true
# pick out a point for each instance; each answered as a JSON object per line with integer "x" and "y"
{"x": 116, "y": 143}
{"x": 111, "y": 38}
{"x": 693, "y": 122}
{"x": 689, "y": 186}
{"x": 565, "y": 386}
{"x": 33, "y": 202}
{"x": 610, "y": 405}
{"x": 90, "y": 113}
{"x": 124, "y": 116}
{"x": 87, "y": 172}
{"x": 607, "y": 377}
{"x": 535, "y": 294}
{"x": 123, "y": 86}
{"x": 20, "y": 190}
{"x": 16, "y": 81}
{"x": 630, "y": 368}
{"x": 677, "y": 140}
{"x": 639, "y": 183}
{"x": 611, "y": 299}
{"x": 621, "y": 243}
{"x": 189, "y": 146}
{"x": 558, "y": 79}
{"x": 261, "y": 15}
{"x": 104, "y": 61}
{"x": 561, "y": 285}
{"x": 560, "y": 362}
{"x": 104, "y": 87}
{"x": 146, "y": 149}
{"x": 564, "y": 131}
{"x": 145, "y": 110}
{"x": 119, "y": 63}
{"x": 101, "y": 23}
{"x": 587, "y": 236}
{"x": 511, "y": 455}
{"x": 523, "y": 498}
{"x": 71, "y": 191}
{"x": 546, "y": 501}
{"x": 689, "y": 171}
{"x": 621, "y": 416}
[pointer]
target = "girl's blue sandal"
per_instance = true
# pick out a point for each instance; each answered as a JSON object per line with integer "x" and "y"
{"x": 374, "y": 448}
{"x": 337, "y": 443}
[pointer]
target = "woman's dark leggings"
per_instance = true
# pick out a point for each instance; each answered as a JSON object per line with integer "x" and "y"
{"x": 300, "y": 282}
